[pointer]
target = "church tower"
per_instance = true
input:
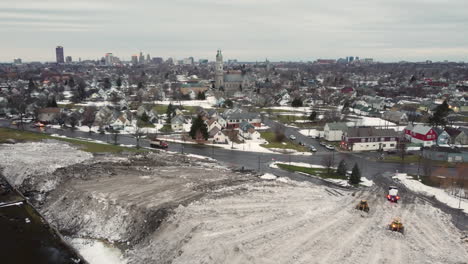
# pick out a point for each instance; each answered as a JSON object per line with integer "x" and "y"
{"x": 219, "y": 72}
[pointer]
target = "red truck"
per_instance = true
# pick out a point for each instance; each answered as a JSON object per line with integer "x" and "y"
{"x": 157, "y": 143}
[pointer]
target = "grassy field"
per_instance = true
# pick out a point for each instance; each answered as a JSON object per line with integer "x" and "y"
{"x": 312, "y": 171}
{"x": 162, "y": 109}
{"x": 415, "y": 159}
{"x": 288, "y": 144}
{"x": 287, "y": 119}
{"x": 24, "y": 136}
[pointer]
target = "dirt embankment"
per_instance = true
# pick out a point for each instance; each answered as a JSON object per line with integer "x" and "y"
{"x": 165, "y": 208}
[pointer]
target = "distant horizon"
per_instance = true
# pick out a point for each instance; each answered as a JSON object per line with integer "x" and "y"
{"x": 296, "y": 30}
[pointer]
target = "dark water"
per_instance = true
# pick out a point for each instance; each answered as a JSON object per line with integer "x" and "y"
{"x": 25, "y": 236}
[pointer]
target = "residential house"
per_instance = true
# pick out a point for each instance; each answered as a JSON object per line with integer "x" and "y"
{"x": 443, "y": 138}
{"x": 369, "y": 138}
{"x": 220, "y": 137}
{"x": 334, "y": 131}
{"x": 458, "y": 136}
{"x": 234, "y": 118}
{"x": 213, "y": 123}
{"x": 395, "y": 117}
{"x": 421, "y": 134}
{"x": 48, "y": 114}
{"x": 247, "y": 131}
{"x": 177, "y": 123}
{"x": 222, "y": 122}
{"x": 121, "y": 122}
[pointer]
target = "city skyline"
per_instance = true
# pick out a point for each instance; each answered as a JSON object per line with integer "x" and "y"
{"x": 247, "y": 31}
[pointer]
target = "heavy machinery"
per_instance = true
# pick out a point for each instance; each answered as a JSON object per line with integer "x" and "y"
{"x": 363, "y": 206}
{"x": 392, "y": 195}
{"x": 396, "y": 225}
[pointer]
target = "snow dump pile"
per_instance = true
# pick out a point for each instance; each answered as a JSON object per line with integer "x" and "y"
{"x": 439, "y": 194}
{"x": 97, "y": 252}
{"x": 34, "y": 162}
{"x": 272, "y": 222}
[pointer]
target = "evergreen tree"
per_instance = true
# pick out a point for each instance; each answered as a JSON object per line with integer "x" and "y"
{"x": 439, "y": 118}
{"x": 119, "y": 82}
{"x": 341, "y": 170}
{"x": 201, "y": 96}
{"x": 355, "y": 175}
{"x": 169, "y": 111}
{"x": 199, "y": 129}
{"x": 52, "y": 102}
{"x": 296, "y": 102}
{"x": 107, "y": 84}
{"x": 144, "y": 118}
{"x": 71, "y": 82}
{"x": 228, "y": 103}
{"x": 313, "y": 116}
{"x": 31, "y": 85}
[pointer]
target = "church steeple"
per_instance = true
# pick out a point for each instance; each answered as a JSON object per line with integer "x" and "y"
{"x": 219, "y": 72}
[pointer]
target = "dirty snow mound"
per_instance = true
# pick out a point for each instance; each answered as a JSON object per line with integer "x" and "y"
{"x": 35, "y": 161}
{"x": 278, "y": 223}
{"x": 97, "y": 252}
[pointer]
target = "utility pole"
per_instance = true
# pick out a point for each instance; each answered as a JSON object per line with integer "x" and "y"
{"x": 259, "y": 168}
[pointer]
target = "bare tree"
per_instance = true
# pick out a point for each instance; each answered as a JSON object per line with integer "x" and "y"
{"x": 328, "y": 162}
{"x": 279, "y": 133}
{"x": 138, "y": 132}
{"x": 401, "y": 147}
{"x": 73, "y": 119}
{"x": 427, "y": 167}
{"x": 89, "y": 116}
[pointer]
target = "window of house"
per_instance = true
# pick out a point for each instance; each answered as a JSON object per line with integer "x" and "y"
{"x": 382, "y": 139}
{"x": 384, "y": 145}
{"x": 363, "y": 140}
{"x": 392, "y": 139}
{"x": 392, "y": 145}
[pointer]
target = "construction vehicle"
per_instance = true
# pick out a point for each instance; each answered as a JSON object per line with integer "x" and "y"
{"x": 396, "y": 225}
{"x": 363, "y": 206}
{"x": 157, "y": 143}
{"x": 392, "y": 195}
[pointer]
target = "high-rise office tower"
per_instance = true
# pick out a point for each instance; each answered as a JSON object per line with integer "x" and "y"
{"x": 59, "y": 54}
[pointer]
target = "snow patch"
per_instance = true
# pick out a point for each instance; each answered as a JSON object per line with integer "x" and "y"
{"x": 439, "y": 194}
{"x": 268, "y": 176}
{"x": 97, "y": 252}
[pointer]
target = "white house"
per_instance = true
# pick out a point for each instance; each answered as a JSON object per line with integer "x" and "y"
{"x": 177, "y": 123}
{"x": 212, "y": 123}
{"x": 334, "y": 131}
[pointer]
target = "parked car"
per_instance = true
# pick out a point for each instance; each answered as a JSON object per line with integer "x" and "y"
{"x": 292, "y": 137}
{"x": 312, "y": 148}
{"x": 322, "y": 143}
{"x": 330, "y": 147}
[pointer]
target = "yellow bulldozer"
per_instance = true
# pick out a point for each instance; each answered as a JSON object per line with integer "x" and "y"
{"x": 363, "y": 206}
{"x": 396, "y": 225}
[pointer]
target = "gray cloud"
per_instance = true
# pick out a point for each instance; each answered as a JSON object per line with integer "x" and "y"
{"x": 244, "y": 29}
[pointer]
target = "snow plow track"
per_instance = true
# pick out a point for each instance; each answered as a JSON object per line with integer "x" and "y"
{"x": 275, "y": 223}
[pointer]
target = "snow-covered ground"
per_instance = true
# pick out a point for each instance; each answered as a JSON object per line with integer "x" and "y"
{"x": 36, "y": 161}
{"x": 311, "y": 132}
{"x": 97, "y": 252}
{"x": 249, "y": 146}
{"x": 274, "y": 222}
{"x": 368, "y": 121}
{"x": 208, "y": 103}
{"x": 439, "y": 194}
{"x": 344, "y": 183}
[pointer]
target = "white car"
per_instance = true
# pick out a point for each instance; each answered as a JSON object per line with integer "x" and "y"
{"x": 330, "y": 147}
{"x": 292, "y": 137}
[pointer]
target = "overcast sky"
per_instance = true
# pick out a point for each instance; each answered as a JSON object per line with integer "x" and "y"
{"x": 247, "y": 30}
